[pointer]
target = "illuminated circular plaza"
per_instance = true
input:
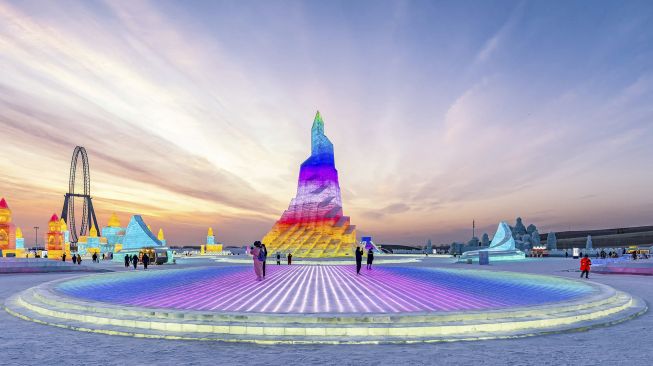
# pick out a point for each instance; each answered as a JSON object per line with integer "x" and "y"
{"x": 325, "y": 290}
{"x": 323, "y": 304}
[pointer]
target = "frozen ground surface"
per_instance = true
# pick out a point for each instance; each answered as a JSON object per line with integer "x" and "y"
{"x": 629, "y": 343}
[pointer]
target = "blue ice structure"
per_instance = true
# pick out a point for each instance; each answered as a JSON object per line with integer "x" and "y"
{"x": 502, "y": 247}
{"x": 138, "y": 237}
{"x": 367, "y": 244}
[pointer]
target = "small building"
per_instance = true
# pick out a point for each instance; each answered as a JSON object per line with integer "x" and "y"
{"x": 211, "y": 247}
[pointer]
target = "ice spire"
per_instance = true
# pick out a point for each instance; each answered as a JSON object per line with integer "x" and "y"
{"x": 321, "y": 146}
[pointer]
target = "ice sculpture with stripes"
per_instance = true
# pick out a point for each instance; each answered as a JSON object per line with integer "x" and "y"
{"x": 314, "y": 224}
{"x": 502, "y": 247}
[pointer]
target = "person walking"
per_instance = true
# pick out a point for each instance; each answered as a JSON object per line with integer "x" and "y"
{"x": 74, "y": 259}
{"x": 135, "y": 260}
{"x": 257, "y": 252}
{"x": 359, "y": 260}
{"x": 566, "y": 254}
{"x": 370, "y": 258}
{"x": 289, "y": 258}
{"x": 63, "y": 257}
{"x": 278, "y": 259}
{"x": 127, "y": 260}
{"x": 79, "y": 259}
{"x": 264, "y": 251}
{"x": 146, "y": 260}
{"x": 585, "y": 264}
{"x": 94, "y": 257}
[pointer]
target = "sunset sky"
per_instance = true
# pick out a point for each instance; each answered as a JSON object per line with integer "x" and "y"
{"x": 198, "y": 113}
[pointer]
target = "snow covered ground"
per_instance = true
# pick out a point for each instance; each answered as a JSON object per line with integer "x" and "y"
{"x": 629, "y": 343}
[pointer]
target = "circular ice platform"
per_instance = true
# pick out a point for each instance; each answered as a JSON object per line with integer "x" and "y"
{"x": 324, "y": 304}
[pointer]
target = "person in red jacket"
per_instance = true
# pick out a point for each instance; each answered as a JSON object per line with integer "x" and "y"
{"x": 585, "y": 264}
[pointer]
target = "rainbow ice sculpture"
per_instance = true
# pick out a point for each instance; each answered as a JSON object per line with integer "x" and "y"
{"x": 314, "y": 224}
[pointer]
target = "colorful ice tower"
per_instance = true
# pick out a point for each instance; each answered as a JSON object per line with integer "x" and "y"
{"x": 314, "y": 224}
{"x": 10, "y": 236}
{"x": 114, "y": 233}
{"x": 54, "y": 243}
{"x": 211, "y": 247}
{"x": 7, "y": 239}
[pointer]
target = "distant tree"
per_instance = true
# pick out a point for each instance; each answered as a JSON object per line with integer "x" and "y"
{"x": 520, "y": 229}
{"x": 531, "y": 228}
{"x": 551, "y": 241}
{"x": 535, "y": 238}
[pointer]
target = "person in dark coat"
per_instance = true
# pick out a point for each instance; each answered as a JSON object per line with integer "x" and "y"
{"x": 63, "y": 257}
{"x": 289, "y": 259}
{"x": 146, "y": 260}
{"x": 370, "y": 258}
{"x": 265, "y": 257}
{"x": 278, "y": 258}
{"x": 135, "y": 260}
{"x": 79, "y": 259}
{"x": 127, "y": 260}
{"x": 359, "y": 260}
{"x": 74, "y": 259}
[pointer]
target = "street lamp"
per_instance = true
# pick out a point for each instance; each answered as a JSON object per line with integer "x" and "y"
{"x": 36, "y": 243}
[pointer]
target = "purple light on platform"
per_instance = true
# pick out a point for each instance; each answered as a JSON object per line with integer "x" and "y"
{"x": 324, "y": 289}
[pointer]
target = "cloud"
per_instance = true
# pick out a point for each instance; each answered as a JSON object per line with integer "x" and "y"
{"x": 193, "y": 117}
{"x": 493, "y": 43}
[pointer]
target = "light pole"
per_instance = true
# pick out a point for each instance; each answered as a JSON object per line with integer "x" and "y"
{"x": 36, "y": 243}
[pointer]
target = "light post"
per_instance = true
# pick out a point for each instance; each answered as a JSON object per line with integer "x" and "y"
{"x": 36, "y": 242}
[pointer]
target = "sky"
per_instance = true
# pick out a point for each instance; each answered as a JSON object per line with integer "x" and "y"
{"x": 198, "y": 113}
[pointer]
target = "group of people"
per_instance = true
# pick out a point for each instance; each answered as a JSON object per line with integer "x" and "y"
{"x": 288, "y": 257}
{"x": 602, "y": 254}
{"x": 133, "y": 260}
{"x": 359, "y": 259}
{"x": 259, "y": 254}
{"x": 76, "y": 258}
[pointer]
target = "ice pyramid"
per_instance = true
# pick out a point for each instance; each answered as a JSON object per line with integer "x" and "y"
{"x": 138, "y": 235}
